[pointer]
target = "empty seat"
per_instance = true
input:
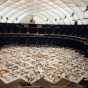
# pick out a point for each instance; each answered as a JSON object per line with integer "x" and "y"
{"x": 4, "y": 41}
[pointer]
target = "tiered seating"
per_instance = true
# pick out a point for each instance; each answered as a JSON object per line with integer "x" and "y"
{"x": 41, "y": 41}
{"x": 1, "y": 29}
{"x": 49, "y": 40}
{"x": 70, "y": 31}
{"x": 15, "y": 29}
{"x": 31, "y": 40}
{"x": 41, "y": 30}
{"x": 24, "y": 30}
{"x": 60, "y": 42}
{"x": 76, "y": 32}
{"x": 32, "y": 30}
{"x": 84, "y": 33}
{"x": 8, "y": 29}
{"x": 4, "y": 41}
{"x": 56, "y": 30}
{"x": 22, "y": 40}
{"x": 55, "y": 40}
{"x": 1, "y": 44}
{"x": 63, "y": 30}
{"x": 49, "y": 30}
{"x": 7, "y": 40}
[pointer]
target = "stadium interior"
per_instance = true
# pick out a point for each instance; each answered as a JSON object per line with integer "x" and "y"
{"x": 34, "y": 33}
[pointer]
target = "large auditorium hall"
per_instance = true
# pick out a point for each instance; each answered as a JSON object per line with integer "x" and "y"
{"x": 43, "y": 43}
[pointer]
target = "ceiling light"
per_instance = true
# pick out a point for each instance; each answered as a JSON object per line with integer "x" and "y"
{"x": 55, "y": 19}
{"x": 72, "y": 14}
{"x": 16, "y": 18}
{"x": 59, "y": 19}
{"x": 47, "y": 20}
{"x": 7, "y": 18}
{"x": 1, "y": 17}
{"x": 86, "y": 9}
{"x": 64, "y": 17}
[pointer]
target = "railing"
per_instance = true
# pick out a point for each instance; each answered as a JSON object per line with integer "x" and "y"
{"x": 80, "y": 39}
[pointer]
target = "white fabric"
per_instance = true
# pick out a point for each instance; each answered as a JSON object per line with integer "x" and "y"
{"x": 43, "y": 10}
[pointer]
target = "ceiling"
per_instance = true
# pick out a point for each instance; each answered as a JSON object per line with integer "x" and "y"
{"x": 57, "y": 12}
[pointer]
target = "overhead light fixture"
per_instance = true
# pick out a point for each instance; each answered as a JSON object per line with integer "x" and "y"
{"x": 75, "y": 23}
{"x": 64, "y": 17}
{"x": 59, "y": 19}
{"x": 72, "y": 14}
{"x": 31, "y": 20}
{"x": 86, "y": 9}
{"x": 55, "y": 19}
{"x": 1, "y": 17}
{"x": 47, "y": 20}
{"x": 7, "y": 18}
